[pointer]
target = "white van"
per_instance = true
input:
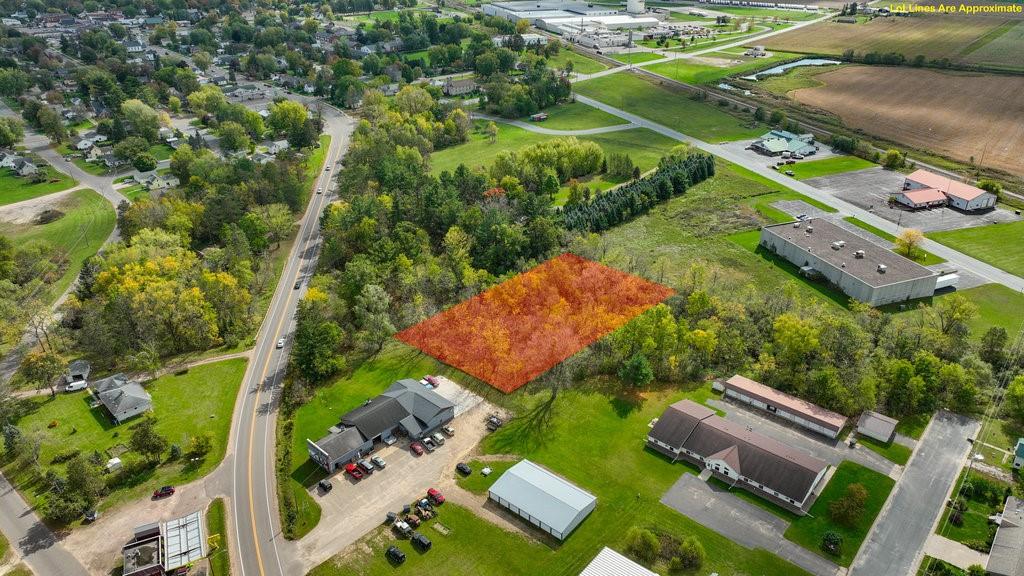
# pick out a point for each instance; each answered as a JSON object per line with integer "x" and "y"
{"x": 76, "y": 386}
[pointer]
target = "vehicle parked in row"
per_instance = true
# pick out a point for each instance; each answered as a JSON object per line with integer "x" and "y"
{"x": 365, "y": 466}
{"x": 395, "y": 555}
{"x": 402, "y": 528}
{"x": 378, "y": 462}
{"x": 429, "y": 444}
{"x": 325, "y": 485}
{"x": 416, "y": 448}
{"x": 435, "y": 496}
{"x": 437, "y": 438}
{"x": 448, "y": 430}
{"x": 421, "y": 541}
{"x": 353, "y": 471}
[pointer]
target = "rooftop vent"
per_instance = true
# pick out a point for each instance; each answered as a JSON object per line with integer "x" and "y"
{"x": 843, "y": 265}
{"x": 882, "y": 268}
{"x": 858, "y": 254}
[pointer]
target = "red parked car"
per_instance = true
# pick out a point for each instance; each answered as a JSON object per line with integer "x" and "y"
{"x": 435, "y": 496}
{"x": 416, "y": 448}
{"x": 353, "y": 471}
{"x": 163, "y": 491}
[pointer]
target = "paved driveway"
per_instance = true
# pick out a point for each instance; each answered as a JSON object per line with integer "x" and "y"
{"x": 741, "y": 522}
{"x": 895, "y": 544}
{"x": 352, "y": 509}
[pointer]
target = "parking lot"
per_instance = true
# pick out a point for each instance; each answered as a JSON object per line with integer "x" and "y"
{"x": 353, "y": 508}
{"x": 870, "y": 189}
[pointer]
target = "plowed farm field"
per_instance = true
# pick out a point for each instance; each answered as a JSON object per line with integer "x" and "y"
{"x": 956, "y": 115}
{"x": 519, "y": 329}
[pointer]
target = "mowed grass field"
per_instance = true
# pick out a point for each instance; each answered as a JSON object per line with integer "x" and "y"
{"x": 711, "y": 68}
{"x": 969, "y": 39}
{"x": 959, "y": 115}
{"x": 576, "y": 116}
{"x": 672, "y": 108}
{"x": 87, "y": 222}
{"x": 199, "y": 401}
{"x": 636, "y": 57}
{"x": 643, "y": 146}
{"x": 14, "y": 188}
{"x": 580, "y": 63}
{"x": 805, "y": 169}
{"x": 997, "y": 244}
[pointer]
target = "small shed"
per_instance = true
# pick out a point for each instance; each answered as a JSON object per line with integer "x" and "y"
{"x": 608, "y": 562}
{"x": 877, "y": 426}
{"x": 543, "y": 498}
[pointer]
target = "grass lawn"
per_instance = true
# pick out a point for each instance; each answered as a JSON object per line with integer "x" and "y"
{"x": 94, "y": 168}
{"x": 161, "y": 151}
{"x": 636, "y": 57}
{"x": 643, "y": 146}
{"x": 996, "y": 244}
{"x": 14, "y": 188}
{"x": 577, "y": 116}
{"x": 87, "y": 222}
{"x": 134, "y": 192}
{"x": 935, "y": 567}
{"x": 674, "y": 109}
{"x": 476, "y": 482}
{"x": 5, "y": 548}
{"x": 20, "y": 570}
{"x": 793, "y": 79}
{"x": 807, "y": 530}
{"x": 551, "y": 438}
{"x": 835, "y": 165}
{"x": 580, "y": 63}
{"x": 920, "y": 255}
{"x": 897, "y": 453}
{"x": 976, "y": 530}
{"x": 913, "y": 426}
{"x": 217, "y": 536}
{"x": 199, "y": 401}
{"x": 694, "y": 73}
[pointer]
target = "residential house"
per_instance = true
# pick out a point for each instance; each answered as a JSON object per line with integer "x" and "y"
{"x": 1006, "y": 558}
{"x": 407, "y": 407}
{"x": 737, "y": 455}
{"x": 277, "y": 146}
{"x": 459, "y": 87}
{"x": 94, "y": 154}
{"x": 134, "y": 46}
{"x": 123, "y": 398}
{"x": 24, "y": 167}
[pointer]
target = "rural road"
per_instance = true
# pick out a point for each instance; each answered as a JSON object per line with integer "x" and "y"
{"x": 34, "y": 542}
{"x": 956, "y": 260}
{"x": 260, "y": 548}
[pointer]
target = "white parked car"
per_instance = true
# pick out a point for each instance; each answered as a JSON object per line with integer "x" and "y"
{"x": 76, "y": 386}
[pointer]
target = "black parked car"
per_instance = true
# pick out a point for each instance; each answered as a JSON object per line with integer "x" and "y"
{"x": 395, "y": 555}
{"x": 463, "y": 468}
{"x": 421, "y": 541}
{"x": 325, "y": 485}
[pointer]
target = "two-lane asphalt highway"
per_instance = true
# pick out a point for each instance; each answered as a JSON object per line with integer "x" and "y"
{"x": 260, "y": 549}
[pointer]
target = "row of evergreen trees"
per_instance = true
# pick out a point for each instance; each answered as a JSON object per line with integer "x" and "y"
{"x": 673, "y": 177}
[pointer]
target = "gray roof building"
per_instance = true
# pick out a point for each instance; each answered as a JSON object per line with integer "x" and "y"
{"x": 161, "y": 547}
{"x": 78, "y": 370}
{"x": 406, "y": 407}
{"x": 542, "y": 498}
{"x": 608, "y": 562}
{"x": 877, "y": 426}
{"x": 736, "y": 454}
{"x": 861, "y": 269}
{"x": 1007, "y": 555}
{"x": 124, "y": 398}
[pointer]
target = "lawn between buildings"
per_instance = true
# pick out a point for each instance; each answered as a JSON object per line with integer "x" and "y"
{"x": 995, "y": 244}
{"x": 807, "y": 169}
{"x": 892, "y": 451}
{"x": 199, "y": 401}
{"x": 807, "y": 531}
{"x": 14, "y": 188}
{"x": 475, "y": 546}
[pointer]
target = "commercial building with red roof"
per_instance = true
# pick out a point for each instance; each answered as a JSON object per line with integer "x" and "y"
{"x": 796, "y": 410}
{"x": 959, "y": 195}
{"x": 921, "y": 198}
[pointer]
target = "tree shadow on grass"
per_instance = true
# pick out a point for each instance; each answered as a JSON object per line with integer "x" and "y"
{"x": 529, "y": 431}
{"x": 308, "y": 474}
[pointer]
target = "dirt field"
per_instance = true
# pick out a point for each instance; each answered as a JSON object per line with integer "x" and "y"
{"x": 977, "y": 39}
{"x": 957, "y": 115}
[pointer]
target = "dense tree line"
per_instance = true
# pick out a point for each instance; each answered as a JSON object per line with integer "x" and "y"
{"x": 673, "y": 177}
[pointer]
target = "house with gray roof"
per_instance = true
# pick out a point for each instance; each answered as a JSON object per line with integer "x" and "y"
{"x": 406, "y": 408}
{"x": 738, "y": 455}
{"x": 123, "y": 397}
{"x": 1007, "y": 555}
{"x": 542, "y": 498}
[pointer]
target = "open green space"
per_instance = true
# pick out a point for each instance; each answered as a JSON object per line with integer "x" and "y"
{"x": 94, "y": 168}
{"x": 161, "y": 151}
{"x": 793, "y": 79}
{"x": 806, "y": 169}
{"x": 808, "y": 530}
{"x": 580, "y": 63}
{"x": 673, "y": 108}
{"x": 14, "y": 188}
{"x": 996, "y": 244}
{"x": 892, "y": 451}
{"x": 134, "y": 192}
{"x": 636, "y": 57}
{"x": 476, "y": 482}
{"x": 552, "y": 438}
{"x": 87, "y": 221}
{"x": 199, "y": 401}
{"x": 974, "y": 529}
{"x": 20, "y": 569}
{"x": 217, "y": 538}
{"x": 920, "y": 255}
{"x": 643, "y": 146}
{"x": 577, "y": 116}
{"x": 5, "y": 548}
{"x": 693, "y": 72}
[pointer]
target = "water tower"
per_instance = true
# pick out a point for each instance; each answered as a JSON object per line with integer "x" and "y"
{"x": 635, "y": 6}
